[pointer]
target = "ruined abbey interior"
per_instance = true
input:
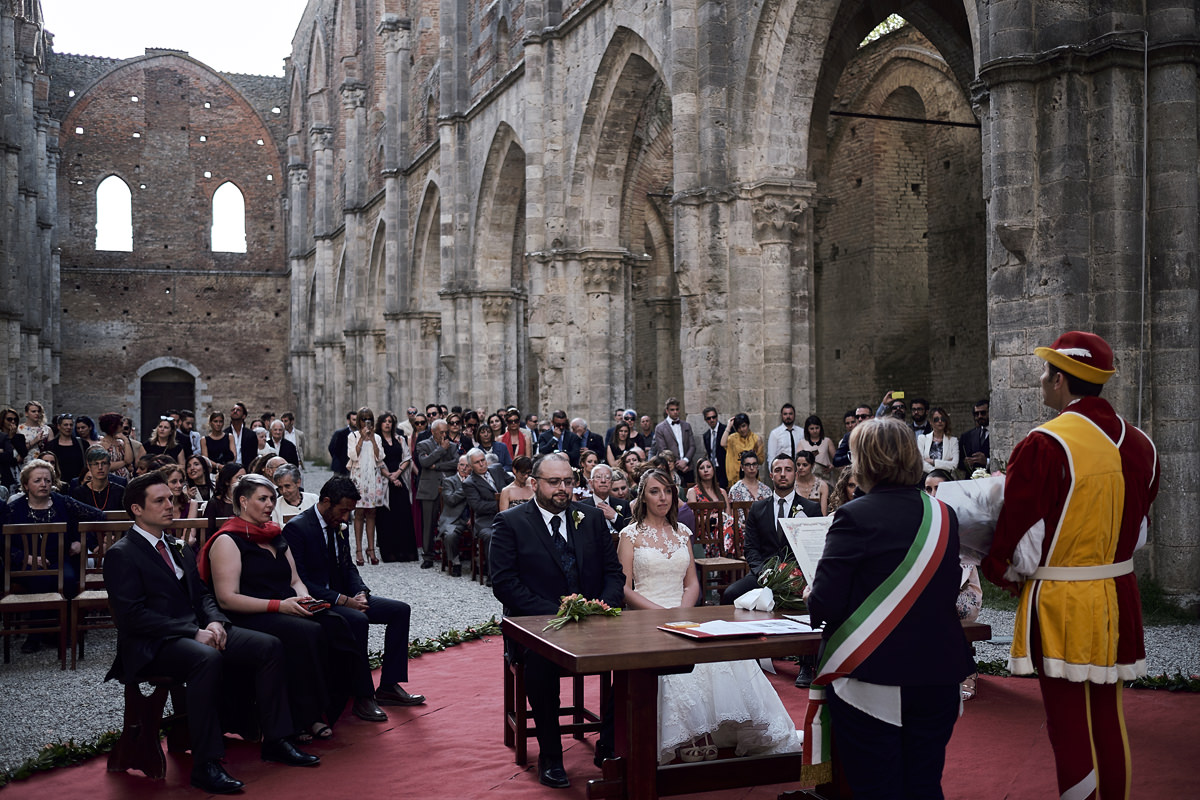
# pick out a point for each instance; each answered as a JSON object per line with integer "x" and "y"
{"x": 597, "y": 203}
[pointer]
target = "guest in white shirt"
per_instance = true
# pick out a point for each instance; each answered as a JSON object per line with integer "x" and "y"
{"x": 786, "y": 438}
{"x": 292, "y": 497}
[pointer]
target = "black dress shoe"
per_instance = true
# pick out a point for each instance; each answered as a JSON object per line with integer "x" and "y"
{"x": 805, "y": 678}
{"x": 211, "y": 777}
{"x": 426, "y": 564}
{"x": 456, "y": 571}
{"x": 281, "y": 751}
{"x": 394, "y": 695}
{"x": 366, "y": 708}
{"x": 552, "y": 774}
{"x": 603, "y": 751}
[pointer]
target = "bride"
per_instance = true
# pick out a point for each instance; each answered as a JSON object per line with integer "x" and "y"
{"x": 728, "y": 704}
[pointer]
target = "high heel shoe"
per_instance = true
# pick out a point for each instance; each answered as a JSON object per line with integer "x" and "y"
{"x": 371, "y": 556}
{"x": 969, "y": 686}
{"x": 358, "y": 559}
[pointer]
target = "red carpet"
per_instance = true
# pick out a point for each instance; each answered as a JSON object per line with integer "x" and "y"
{"x": 452, "y": 748}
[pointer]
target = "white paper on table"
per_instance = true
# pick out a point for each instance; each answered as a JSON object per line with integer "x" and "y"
{"x": 720, "y": 627}
{"x": 806, "y": 535}
{"x": 977, "y": 505}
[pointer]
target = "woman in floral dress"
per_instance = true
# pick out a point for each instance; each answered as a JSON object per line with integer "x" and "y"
{"x": 367, "y": 469}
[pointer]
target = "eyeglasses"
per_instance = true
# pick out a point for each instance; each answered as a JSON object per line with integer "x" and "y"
{"x": 862, "y": 416}
{"x": 554, "y": 483}
{"x": 455, "y": 423}
{"x": 939, "y": 419}
{"x": 979, "y": 413}
{"x": 713, "y": 418}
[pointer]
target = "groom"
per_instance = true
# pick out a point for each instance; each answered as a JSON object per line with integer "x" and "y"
{"x": 540, "y": 552}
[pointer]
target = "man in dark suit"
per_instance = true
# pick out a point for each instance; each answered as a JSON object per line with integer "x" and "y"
{"x": 560, "y": 439}
{"x": 285, "y": 449}
{"x": 762, "y": 537}
{"x": 675, "y": 434}
{"x": 339, "y": 456}
{"x": 615, "y": 510}
{"x": 481, "y": 488}
{"x": 587, "y": 439}
{"x": 618, "y": 417}
{"x": 317, "y": 538}
{"x": 540, "y": 552}
{"x": 169, "y": 624}
{"x": 842, "y": 457}
{"x": 710, "y": 442}
{"x": 975, "y": 446}
{"x": 244, "y": 439}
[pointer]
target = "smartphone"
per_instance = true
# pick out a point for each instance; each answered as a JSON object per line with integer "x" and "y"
{"x": 897, "y": 395}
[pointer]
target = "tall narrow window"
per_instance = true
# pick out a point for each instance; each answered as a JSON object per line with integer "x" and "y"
{"x": 228, "y": 220}
{"x": 114, "y": 215}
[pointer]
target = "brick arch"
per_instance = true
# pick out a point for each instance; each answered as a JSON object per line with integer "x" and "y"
{"x": 627, "y": 72}
{"x": 501, "y": 209}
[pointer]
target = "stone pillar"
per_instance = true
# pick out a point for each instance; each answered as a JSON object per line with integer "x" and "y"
{"x": 603, "y": 315}
{"x": 360, "y": 364}
{"x": 396, "y": 34}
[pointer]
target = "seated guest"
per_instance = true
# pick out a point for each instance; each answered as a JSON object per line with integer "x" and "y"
{"x": 199, "y": 479}
{"x": 264, "y": 443}
{"x": 168, "y": 624}
{"x": 319, "y": 544}
{"x": 707, "y": 489}
{"x": 620, "y": 485}
{"x": 519, "y": 440}
{"x": 278, "y": 442}
{"x": 481, "y": 488}
{"x": 185, "y": 507}
{"x": 616, "y": 511}
{"x": 220, "y": 505}
{"x": 738, "y": 439}
{"x": 252, "y": 572}
{"x": 41, "y": 504}
{"x": 455, "y": 514}
{"x": 292, "y": 498}
{"x": 98, "y": 491}
{"x": 520, "y": 490}
{"x": 843, "y": 490}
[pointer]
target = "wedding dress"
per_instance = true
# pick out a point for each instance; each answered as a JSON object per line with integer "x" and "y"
{"x": 731, "y": 700}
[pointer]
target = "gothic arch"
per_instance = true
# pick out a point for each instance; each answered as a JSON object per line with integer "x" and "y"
{"x": 201, "y": 398}
{"x": 377, "y": 272}
{"x": 427, "y": 259}
{"x": 318, "y": 79}
{"x": 501, "y": 208}
{"x": 627, "y": 74}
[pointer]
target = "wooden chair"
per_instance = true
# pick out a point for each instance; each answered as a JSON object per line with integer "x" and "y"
{"x": 479, "y": 552}
{"x": 139, "y": 746}
{"x": 37, "y": 540}
{"x": 89, "y": 608}
{"x": 518, "y": 727}
{"x": 739, "y": 510}
{"x": 116, "y": 516}
{"x": 718, "y": 568}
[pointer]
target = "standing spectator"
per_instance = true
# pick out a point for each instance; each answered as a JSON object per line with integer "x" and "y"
{"x": 164, "y": 442}
{"x": 1077, "y": 496}
{"x": 518, "y": 440}
{"x": 975, "y": 448}
{"x": 280, "y": 444}
{"x": 218, "y": 445}
{"x": 644, "y": 438}
{"x": 34, "y": 429}
{"x": 892, "y": 407}
{"x": 618, "y": 416}
{"x": 820, "y": 445}
{"x": 437, "y": 456}
{"x": 293, "y": 435}
{"x": 338, "y": 459}
{"x": 920, "y": 415}
{"x": 710, "y": 441}
{"x": 393, "y": 520}
{"x": 619, "y": 444}
{"x": 405, "y": 428}
{"x": 12, "y": 448}
{"x": 85, "y": 429}
{"x": 120, "y": 451}
{"x": 188, "y": 435}
{"x": 139, "y": 452}
{"x": 939, "y": 450}
{"x": 785, "y": 438}
{"x": 675, "y": 434}
{"x": 67, "y": 449}
{"x": 738, "y": 439}
{"x": 244, "y": 439}
{"x": 364, "y": 449}
{"x": 808, "y": 485}
{"x": 842, "y": 457}
{"x": 560, "y": 439}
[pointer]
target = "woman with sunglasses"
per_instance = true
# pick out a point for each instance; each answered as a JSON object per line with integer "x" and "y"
{"x": 939, "y": 450}
{"x": 12, "y": 447}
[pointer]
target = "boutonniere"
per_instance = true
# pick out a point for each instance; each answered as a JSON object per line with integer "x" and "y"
{"x": 176, "y": 546}
{"x": 343, "y": 532}
{"x": 578, "y": 517}
{"x": 795, "y": 509}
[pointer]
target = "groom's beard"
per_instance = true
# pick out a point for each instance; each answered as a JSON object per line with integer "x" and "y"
{"x": 556, "y": 503}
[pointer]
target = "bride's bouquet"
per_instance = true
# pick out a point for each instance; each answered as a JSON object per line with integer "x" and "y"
{"x": 575, "y": 607}
{"x": 786, "y": 582}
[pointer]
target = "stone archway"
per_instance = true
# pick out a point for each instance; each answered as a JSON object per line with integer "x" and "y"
{"x": 163, "y": 383}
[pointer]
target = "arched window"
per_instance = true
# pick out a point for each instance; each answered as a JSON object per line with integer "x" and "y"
{"x": 228, "y": 220}
{"x": 114, "y": 215}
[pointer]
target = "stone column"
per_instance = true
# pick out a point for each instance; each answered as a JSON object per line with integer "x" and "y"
{"x": 397, "y": 42}
{"x": 606, "y": 379}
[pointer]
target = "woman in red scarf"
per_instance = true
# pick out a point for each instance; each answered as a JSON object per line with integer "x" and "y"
{"x": 254, "y": 578}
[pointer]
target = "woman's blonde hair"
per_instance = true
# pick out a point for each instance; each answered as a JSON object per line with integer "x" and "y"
{"x": 653, "y": 474}
{"x": 885, "y": 451}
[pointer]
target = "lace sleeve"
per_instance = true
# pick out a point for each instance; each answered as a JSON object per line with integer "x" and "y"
{"x": 627, "y": 533}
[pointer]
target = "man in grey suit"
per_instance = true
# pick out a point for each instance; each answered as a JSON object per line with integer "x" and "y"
{"x": 675, "y": 434}
{"x": 454, "y": 516}
{"x": 482, "y": 488}
{"x": 438, "y": 456}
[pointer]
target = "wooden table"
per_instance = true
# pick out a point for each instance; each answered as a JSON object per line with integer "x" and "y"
{"x": 636, "y": 652}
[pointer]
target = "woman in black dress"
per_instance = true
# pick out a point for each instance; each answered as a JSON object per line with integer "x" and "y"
{"x": 67, "y": 449}
{"x": 220, "y": 505}
{"x": 255, "y": 581}
{"x": 164, "y": 442}
{"x": 393, "y": 522}
{"x": 619, "y": 445}
{"x": 217, "y": 444}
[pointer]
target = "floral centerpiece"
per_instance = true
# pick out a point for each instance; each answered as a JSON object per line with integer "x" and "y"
{"x": 786, "y": 582}
{"x": 575, "y": 607}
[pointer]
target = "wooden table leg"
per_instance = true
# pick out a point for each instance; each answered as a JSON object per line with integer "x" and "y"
{"x": 634, "y": 774}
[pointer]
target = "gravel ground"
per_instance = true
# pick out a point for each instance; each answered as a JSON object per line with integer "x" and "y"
{"x": 41, "y": 704}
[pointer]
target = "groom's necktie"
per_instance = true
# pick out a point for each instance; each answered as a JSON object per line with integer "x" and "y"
{"x": 566, "y": 555}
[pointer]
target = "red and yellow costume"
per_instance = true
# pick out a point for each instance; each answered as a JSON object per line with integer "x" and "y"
{"x": 1076, "y": 496}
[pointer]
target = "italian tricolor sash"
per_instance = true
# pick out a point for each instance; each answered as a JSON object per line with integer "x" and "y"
{"x": 873, "y": 621}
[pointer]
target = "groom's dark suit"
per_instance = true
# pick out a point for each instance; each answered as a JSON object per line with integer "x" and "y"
{"x": 528, "y": 577}
{"x": 326, "y": 579}
{"x": 157, "y": 617}
{"x": 763, "y": 538}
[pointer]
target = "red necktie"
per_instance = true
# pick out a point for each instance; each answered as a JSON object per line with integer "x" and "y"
{"x": 161, "y": 547}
